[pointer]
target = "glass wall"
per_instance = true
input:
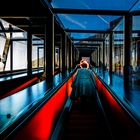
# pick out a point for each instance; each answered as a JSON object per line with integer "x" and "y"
{"x": 127, "y": 92}
{"x": 37, "y": 53}
{"x": 135, "y": 52}
{"x": 13, "y": 49}
{"x": 19, "y": 55}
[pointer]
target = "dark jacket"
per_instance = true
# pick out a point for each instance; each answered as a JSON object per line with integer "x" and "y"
{"x": 83, "y": 83}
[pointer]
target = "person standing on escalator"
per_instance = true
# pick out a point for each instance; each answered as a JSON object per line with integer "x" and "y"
{"x": 83, "y": 84}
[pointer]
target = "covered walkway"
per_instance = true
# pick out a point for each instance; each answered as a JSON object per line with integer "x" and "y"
{"x": 41, "y": 43}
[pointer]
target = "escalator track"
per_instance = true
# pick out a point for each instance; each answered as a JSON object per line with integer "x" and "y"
{"x": 85, "y": 122}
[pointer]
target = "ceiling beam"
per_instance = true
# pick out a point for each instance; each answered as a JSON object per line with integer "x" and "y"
{"x": 88, "y": 39}
{"x": 135, "y": 13}
{"x": 86, "y": 44}
{"x": 86, "y": 47}
{"x": 87, "y": 31}
{"x": 10, "y": 31}
{"x": 89, "y": 12}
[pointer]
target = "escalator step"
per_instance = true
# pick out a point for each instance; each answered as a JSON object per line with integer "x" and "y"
{"x": 83, "y": 124}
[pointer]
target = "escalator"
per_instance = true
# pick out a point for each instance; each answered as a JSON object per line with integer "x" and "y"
{"x": 85, "y": 122}
{"x": 54, "y": 117}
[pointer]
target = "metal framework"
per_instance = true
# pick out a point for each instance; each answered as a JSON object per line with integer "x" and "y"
{"x": 89, "y": 11}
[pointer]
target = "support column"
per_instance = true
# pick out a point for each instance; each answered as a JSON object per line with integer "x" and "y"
{"x": 127, "y": 51}
{"x": 110, "y": 56}
{"x": 63, "y": 52}
{"x": 98, "y": 58}
{"x": 49, "y": 45}
{"x": 73, "y": 56}
{"x": 38, "y": 58}
{"x": 99, "y": 55}
{"x": 69, "y": 51}
{"x": 29, "y": 53}
{"x": 11, "y": 53}
{"x": 103, "y": 58}
{"x": 60, "y": 53}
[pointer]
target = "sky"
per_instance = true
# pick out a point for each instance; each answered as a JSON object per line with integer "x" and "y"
{"x": 91, "y": 22}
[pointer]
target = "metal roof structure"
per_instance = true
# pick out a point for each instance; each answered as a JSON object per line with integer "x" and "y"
{"x": 84, "y": 18}
{"x": 80, "y": 19}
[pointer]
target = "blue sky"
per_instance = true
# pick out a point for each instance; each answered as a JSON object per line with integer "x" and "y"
{"x": 94, "y": 4}
{"x": 90, "y": 22}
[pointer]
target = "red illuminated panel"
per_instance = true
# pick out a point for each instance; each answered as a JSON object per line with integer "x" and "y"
{"x": 19, "y": 87}
{"x": 40, "y": 126}
{"x": 114, "y": 106}
{"x": 98, "y": 83}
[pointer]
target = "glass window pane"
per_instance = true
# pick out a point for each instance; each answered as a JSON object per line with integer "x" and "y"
{"x": 19, "y": 55}
{"x": 2, "y": 44}
{"x": 41, "y": 57}
{"x": 7, "y": 68}
{"x": 34, "y": 56}
{"x": 85, "y": 22}
{"x": 56, "y": 57}
{"x": 94, "y": 4}
{"x": 135, "y": 51}
{"x": 136, "y": 6}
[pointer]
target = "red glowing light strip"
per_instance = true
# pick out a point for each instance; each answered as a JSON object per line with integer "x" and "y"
{"x": 40, "y": 126}
{"x": 113, "y": 104}
{"x": 69, "y": 88}
{"x": 19, "y": 88}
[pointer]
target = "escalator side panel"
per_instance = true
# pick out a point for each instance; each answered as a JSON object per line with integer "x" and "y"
{"x": 122, "y": 126}
{"x": 41, "y": 125}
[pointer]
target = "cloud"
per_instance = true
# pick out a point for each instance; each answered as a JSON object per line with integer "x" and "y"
{"x": 88, "y": 7}
{"x": 85, "y": 5}
{"x": 74, "y": 21}
{"x": 103, "y": 19}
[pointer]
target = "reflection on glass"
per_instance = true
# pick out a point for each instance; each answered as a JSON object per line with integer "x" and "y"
{"x": 135, "y": 53}
{"x": 118, "y": 49}
{"x": 2, "y": 45}
{"x": 41, "y": 57}
{"x": 56, "y": 57}
{"x": 34, "y": 56}
{"x": 37, "y": 56}
{"x": 8, "y": 61}
{"x": 107, "y": 53}
{"x": 94, "y": 4}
